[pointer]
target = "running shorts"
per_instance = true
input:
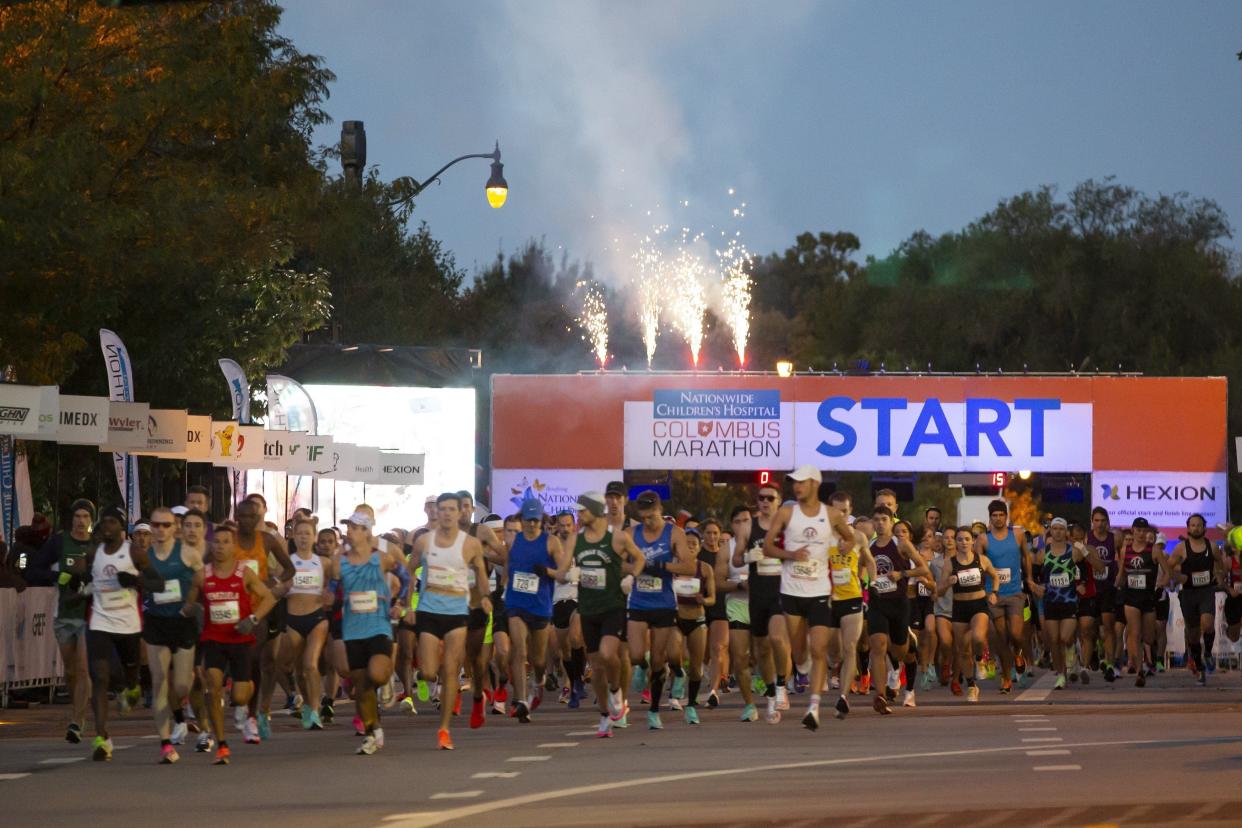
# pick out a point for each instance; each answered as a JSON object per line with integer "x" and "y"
{"x": 964, "y": 611}
{"x": 1060, "y": 611}
{"x": 843, "y": 607}
{"x": 655, "y": 618}
{"x": 816, "y": 611}
{"x": 101, "y": 645}
{"x": 438, "y": 625}
{"x": 717, "y": 611}
{"x": 359, "y": 651}
{"x": 304, "y": 625}
{"x": 595, "y": 627}
{"x": 1142, "y": 601}
{"x": 1162, "y": 606}
{"x": 1197, "y": 601}
{"x": 891, "y": 618}
{"x": 563, "y": 613}
{"x": 231, "y": 659}
{"x": 761, "y": 608}
{"x": 1008, "y": 606}
{"x": 687, "y": 626}
{"x": 533, "y": 622}
{"x": 175, "y": 632}
{"x": 738, "y": 613}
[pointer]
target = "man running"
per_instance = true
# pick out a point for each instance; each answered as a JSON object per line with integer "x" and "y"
{"x": 69, "y": 552}
{"x": 1055, "y": 583}
{"x": 1106, "y": 542}
{"x": 763, "y": 586}
{"x": 566, "y": 626}
{"x": 1005, "y": 546}
{"x": 484, "y": 636}
{"x": 169, "y": 629}
{"x": 1194, "y": 563}
{"x": 846, "y": 561}
{"x": 888, "y": 618}
{"x": 446, "y": 556}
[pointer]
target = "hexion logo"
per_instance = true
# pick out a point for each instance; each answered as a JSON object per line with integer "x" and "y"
{"x": 1156, "y": 493}
{"x": 14, "y": 414}
{"x": 408, "y": 468}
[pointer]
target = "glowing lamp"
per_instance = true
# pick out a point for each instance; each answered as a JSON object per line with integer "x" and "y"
{"x": 784, "y": 368}
{"x": 497, "y": 187}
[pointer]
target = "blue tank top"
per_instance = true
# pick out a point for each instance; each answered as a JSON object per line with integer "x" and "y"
{"x": 1008, "y": 563}
{"x": 366, "y": 600}
{"x": 526, "y": 590}
{"x": 652, "y": 592}
{"x": 1060, "y": 577}
{"x": 177, "y": 579}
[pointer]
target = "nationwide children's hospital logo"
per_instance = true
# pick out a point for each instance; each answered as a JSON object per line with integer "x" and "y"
{"x": 554, "y": 498}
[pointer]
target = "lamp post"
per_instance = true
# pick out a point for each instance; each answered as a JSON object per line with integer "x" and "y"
{"x": 497, "y": 188}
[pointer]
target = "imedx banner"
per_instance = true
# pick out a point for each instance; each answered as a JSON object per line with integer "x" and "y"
{"x": 1166, "y": 499}
{"x": 718, "y": 429}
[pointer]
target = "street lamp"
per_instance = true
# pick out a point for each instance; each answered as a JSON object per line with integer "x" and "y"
{"x": 497, "y": 188}
{"x": 784, "y": 368}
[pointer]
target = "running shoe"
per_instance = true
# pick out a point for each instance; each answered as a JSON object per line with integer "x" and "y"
{"x": 1084, "y": 676}
{"x": 890, "y": 693}
{"x": 692, "y": 716}
{"x": 679, "y": 687}
{"x": 972, "y": 694}
{"x": 750, "y": 714}
{"x": 1006, "y": 686}
{"x": 73, "y": 735}
{"x": 128, "y": 699}
{"x": 981, "y": 672}
{"x": 443, "y": 740}
{"x": 368, "y": 746}
{"x": 605, "y": 728}
{"x": 576, "y": 694}
{"x": 265, "y": 726}
{"x": 327, "y": 711}
{"x": 653, "y": 721}
{"x": 1025, "y": 679}
{"x": 103, "y": 750}
{"x": 179, "y": 732}
{"x": 522, "y": 712}
{"x": 638, "y": 681}
{"x": 1060, "y": 683}
{"x": 205, "y": 743}
{"x": 925, "y": 682}
{"x": 713, "y": 701}
{"x": 1019, "y": 663}
{"x": 614, "y": 704}
{"x": 773, "y": 715}
{"x": 168, "y": 755}
{"x": 842, "y": 708}
{"x": 880, "y": 705}
{"x": 956, "y": 687}
{"x": 782, "y": 698}
{"x": 424, "y": 692}
{"x": 407, "y": 704}
{"x": 944, "y": 676}
{"x": 536, "y": 700}
{"x": 811, "y": 720}
{"x": 378, "y": 733}
{"x": 758, "y": 686}
{"x": 1109, "y": 675}
{"x": 476, "y": 714}
{"x": 306, "y": 716}
{"x": 387, "y": 694}
{"x": 1141, "y": 681}
{"x": 1073, "y": 675}
{"x": 239, "y": 718}
{"x": 359, "y": 728}
{"x": 801, "y": 681}
{"x": 894, "y": 679}
{"x": 645, "y": 696}
{"x": 222, "y": 755}
{"x": 624, "y": 721}
{"x": 864, "y": 685}
{"x": 498, "y": 707}
{"x": 834, "y": 683}
{"x": 1202, "y": 679}
{"x": 502, "y": 693}
{"x": 907, "y": 699}
{"x": 250, "y": 732}
{"x": 564, "y": 697}
{"x": 675, "y": 704}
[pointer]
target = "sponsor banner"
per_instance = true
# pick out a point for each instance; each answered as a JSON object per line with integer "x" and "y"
{"x": 127, "y": 426}
{"x": 977, "y": 435}
{"x": 716, "y": 429}
{"x": 558, "y": 489}
{"x": 276, "y": 448}
{"x": 83, "y": 420}
{"x": 289, "y": 406}
{"x": 31, "y": 656}
{"x": 400, "y": 469}
{"x": 8, "y": 488}
{"x": 22, "y": 410}
{"x": 233, "y": 444}
{"x": 166, "y": 432}
{"x": 121, "y": 389}
{"x": 312, "y": 454}
{"x": 360, "y": 466}
{"x": 1166, "y": 499}
{"x": 239, "y": 389}
{"x": 197, "y": 439}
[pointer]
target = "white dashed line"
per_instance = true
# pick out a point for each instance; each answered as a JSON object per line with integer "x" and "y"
{"x": 1043, "y": 739}
{"x": 1057, "y": 767}
{"x": 122, "y": 747}
{"x": 1037, "y": 730}
{"x": 582, "y": 733}
{"x": 1040, "y": 690}
{"x": 63, "y": 760}
{"x": 457, "y": 795}
{"x": 528, "y": 758}
{"x": 4, "y": 777}
{"x": 557, "y": 745}
{"x": 1050, "y": 752}
{"x": 154, "y": 736}
{"x": 1028, "y": 718}
{"x": 507, "y": 774}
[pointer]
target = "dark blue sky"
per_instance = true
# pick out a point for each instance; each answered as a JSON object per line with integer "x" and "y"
{"x": 881, "y": 118}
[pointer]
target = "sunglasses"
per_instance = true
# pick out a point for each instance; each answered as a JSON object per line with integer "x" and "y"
{"x": 767, "y": 497}
{"x": 161, "y": 524}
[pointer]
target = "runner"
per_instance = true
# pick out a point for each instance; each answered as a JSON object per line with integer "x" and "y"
{"x": 846, "y": 561}
{"x": 1106, "y": 541}
{"x": 763, "y": 589}
{"x": 485, "y": 638}
{"x": 1005, "y": 547}
{"x": 306, "y": 630}
{"x": 566, "y": 626}
{"x": 236, "y": 601}
{"x": 1056, "y": 583}
{"x": 446, "y": 556}
{"x": 733, "y": 581}
{"x": 534, "y": 563}
{"x": 964, "y": 576}
{"x": 1142, "y": 574}
{"x": 695, "y": 595}
{"x": 333, "y": 663}
{"x": 170, "y": 629}
{"x": 1233, "y": 590}
{"x": 652, "y": 603}
{"x": 115, "y": 625}
{"x": 896, "y": 562}
{"x": 1193, "y": 563}
{"x": 716, "y": 612}
{"x": 365, "y": 626}
{"x": 69, "y": 552}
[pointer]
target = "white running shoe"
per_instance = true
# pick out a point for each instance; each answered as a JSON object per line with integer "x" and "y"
{"x": 782, "y": 698}
{"x": 907, "y": 700}
{"x": 834, "y": 683}
{"x": 179, "y": 732}
{"x": 972, "y": 694}
{"x": 981, "y": 672}
{"x": 894, "y": 679}
{"x": 239, "y": 717}
{"x": 378, "y": 734}
{"x": 675, "y": 704}
{"x": 387, "y": 695}
{"x": 614, "y": 704}
{"x": 368, "y": 747}
{"x": 250, "y": 732}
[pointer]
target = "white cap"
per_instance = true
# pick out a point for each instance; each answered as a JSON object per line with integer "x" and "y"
{"x": 360, "y": 519}
{"x": 142, "y": 527}
{"x": 430, "y": 499}
{"x": 1059, "y": 521}
{"x": 806, "y": 472}
{"x": 179, "y": 511}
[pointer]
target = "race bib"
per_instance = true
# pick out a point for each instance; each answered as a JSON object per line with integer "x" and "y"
{"x": 687, "y": 586}
{"x": 885, "y": 584}
{"x": 312, "y": 580}
{"x": 924, "y": 591}
{"x": 527, "y": 582}
{"x": 1136, "y": 580}
{"x": 969, "y": 577}
{"x": 593, "y": 577}
{"x": 1102, "y": 576}
{"x": 441, "y": 577}
{"x": 1002, "y": 576}
{"x": 1200, "y": 579}
{"x": 649, "y": 583}
{"x": 805, "y": 570}
{"x": 768, "y": 566}
{"x": 841, "y": 577}
{"x": 365, "y": 601}
{"x": 252, "y": 565}
{"x": 117, "y": 599}
{"x": 171, "y": 593}
{"x": 1060, "y": 580}
{"x": 224, "y": 612}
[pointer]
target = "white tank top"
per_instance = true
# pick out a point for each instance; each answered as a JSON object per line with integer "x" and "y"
{"x": 445, "y": 570}
{"x": 114, "y": 609}
{"x": 809, "y": 578}
{"x": 737, "y": 574}
{"x": 307, "y": 575}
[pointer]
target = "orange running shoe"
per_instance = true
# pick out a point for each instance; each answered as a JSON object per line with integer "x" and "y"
{"x": 955, "y": 687}
{"x": 864, "y": 686}
{"x": 444, "y": 740}
{"x": 457, "y": 706}
{"x": 222, "y": 755}
{"x": 476, "y": 714}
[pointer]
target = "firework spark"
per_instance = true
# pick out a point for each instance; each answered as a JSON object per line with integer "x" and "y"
{"x": 687, "y": 299}
{"x": 648, "y": 283}
{"x": 593, "y": 319}
{"x": 735, "y": 263}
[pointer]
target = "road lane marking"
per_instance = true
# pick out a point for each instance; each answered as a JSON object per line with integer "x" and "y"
{"x": 582, "y": 733}
{"x": 457, "y": 795}
{"x": 424, "y": 820}
{"x": 557, "y": 745}
{"x": 508, "y": 774}
{"x": 1051, "y": 752}
{"x": 1026, "y": 717}
{"x": 528, "y": 758}
{"x": 4, "y": 777}
{"x": 1043, "y": 739}
{"x": 152, "y": 736}
{"x": 1037, "y": 730}
{"x": 1057, "y": 767}
{"x": 63, "y": 760}
{"x": 1040, "y": 690}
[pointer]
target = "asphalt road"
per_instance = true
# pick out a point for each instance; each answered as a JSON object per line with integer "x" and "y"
{"x": 1167, "y": 754}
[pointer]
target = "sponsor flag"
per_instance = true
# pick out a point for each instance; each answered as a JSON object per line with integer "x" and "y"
{"x": 121, "y": 389}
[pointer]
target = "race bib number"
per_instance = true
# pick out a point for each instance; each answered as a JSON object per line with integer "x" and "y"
{"x": 1102, "y": 576}
{"x": 687, "y": 586}
{"x": 1136, "y": 580}
{"x": 117, "y": 599}
{"x": 252, "y": 565}
{"x": 365, "y": 601}
{"x": 1002, "y": 576}
{"x": 804, "y": 570}
{"x": 170, "y": 595}
{"x": 312, "y": 580}
{"x": 923, "y": 590}
{"x": 885, "y": 584}
{"x": 841, "y": 577}
{"x": 768, "y": 566}
{"x": 1060, "y": 580}
{"x": 593, "y": 577}
{"x": 442, "y": 577}
{"x": 225, "y": 612}
{"x": 649, "y": 583}
{"x": 969, "y": 577}
{"x": 527, "y": 582}
{"x": 1200, "y": 579}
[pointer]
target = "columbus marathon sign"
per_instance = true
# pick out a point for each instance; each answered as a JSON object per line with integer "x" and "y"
{"x": 719, "y": 429}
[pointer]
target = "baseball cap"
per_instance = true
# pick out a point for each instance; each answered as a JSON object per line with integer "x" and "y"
{"x": 1059, "y": 521}
{"x": 429, "y": 499}
{"x": 615, "y": 487}
{"x": 648, "y": 499}
{"x": 806, "y": 472}
{"x": 360, "y": 518}
{"x": 179, "y": 511}
{"x": 116, "y": 513}
{"x": 1140, "y": 523}
{"x": 532, "y": 509}
{"x": 694, "y": 530}
{"x": 592, "y": 502}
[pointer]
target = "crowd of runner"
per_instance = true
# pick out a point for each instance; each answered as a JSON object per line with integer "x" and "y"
{"x": 610, "y": 605}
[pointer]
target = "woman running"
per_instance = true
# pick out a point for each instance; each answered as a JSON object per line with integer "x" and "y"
{"x": 1057, "y": 581}
{"x": 307, "y": 630}
{"x": 694, "y": 594}
{"x": 1141, "y": 575}
{"x": 964, "y": 576}
{"x": 733, "y": 582}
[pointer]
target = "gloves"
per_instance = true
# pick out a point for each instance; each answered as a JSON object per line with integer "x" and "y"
{"x": 540, "y": 570}
{"x": 127, "y": 579}
{"x": 152, "y": 580}
{"x": 246, "y": 625}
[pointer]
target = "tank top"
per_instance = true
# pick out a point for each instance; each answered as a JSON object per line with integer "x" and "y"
{"x": 653, "y": 592}
{"x": 765, "y": 575}
{"x": 226, "y": 602}
{"x": 114, "y": 609}
{"x": 444, "y": 589}
{"x": 1107, "y": 550}
{"x": 177, "y": 579}
{"x": 969, "y": 575}
{"x": 1007, "y": 561}
{"x": 689, "y": 589}
{"x": 73, "y": 554}
{"x": 888, "y": 562}
{"x": 1140, "y": 572}
{"x": 254, "y": 556}
{"x": 599, "y": 577}
{"x": 1198, "y": 567}
{"x": 307, "y": 575}
{"x": 366, "y": 599}
{"x": 844, "y": 565}
{"x": 565, "y": 591}
{"x": 809, "y": 578}
{"x": 526, "y": 590}
{"x": 740, "y": 574}
{"x": 1059, "y": 574}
